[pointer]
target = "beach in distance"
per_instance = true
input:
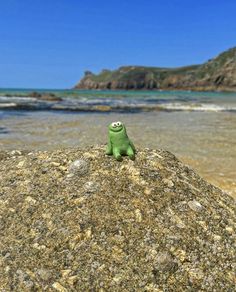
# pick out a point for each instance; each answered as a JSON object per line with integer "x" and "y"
{"x": 198, "y": 127}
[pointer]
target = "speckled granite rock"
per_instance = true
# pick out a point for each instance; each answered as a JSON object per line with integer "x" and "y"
{"x": 77, "y": 220}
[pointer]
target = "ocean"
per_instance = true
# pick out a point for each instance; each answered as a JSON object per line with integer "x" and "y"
{"x": 198, "y": 127}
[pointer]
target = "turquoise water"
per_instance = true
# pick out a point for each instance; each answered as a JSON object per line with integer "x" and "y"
{"x": 86, "y": 100}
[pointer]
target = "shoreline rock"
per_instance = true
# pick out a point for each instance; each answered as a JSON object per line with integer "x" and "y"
{"x": 77, "y": 220}
{"x": 44, "y": 96}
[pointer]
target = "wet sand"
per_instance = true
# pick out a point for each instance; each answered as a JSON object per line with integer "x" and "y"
{"x": 205, "y": 141}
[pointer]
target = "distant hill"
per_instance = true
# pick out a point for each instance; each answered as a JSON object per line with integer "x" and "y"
{"x": 216, "y": 74}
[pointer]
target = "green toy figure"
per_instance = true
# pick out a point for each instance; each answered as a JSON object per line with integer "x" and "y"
{"x": 119, "y": 143}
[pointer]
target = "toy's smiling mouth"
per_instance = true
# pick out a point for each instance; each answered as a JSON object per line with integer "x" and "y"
{"x": 117, "y": 129}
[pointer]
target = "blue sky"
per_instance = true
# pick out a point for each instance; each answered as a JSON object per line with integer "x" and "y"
{"x": 50, "y": 43}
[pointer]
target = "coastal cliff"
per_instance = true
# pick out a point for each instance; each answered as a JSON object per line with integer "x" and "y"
{"x": 77, "y": 220}
{"x": 216, "y": 74}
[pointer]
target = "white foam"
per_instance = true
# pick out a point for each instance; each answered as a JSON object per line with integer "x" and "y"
{"x": 10, "y": 104}
{"x": 196, "y": 107}
{"x": 17, "y": 98}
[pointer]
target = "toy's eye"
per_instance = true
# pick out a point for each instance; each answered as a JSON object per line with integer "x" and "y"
{"x": 118, "y": 124}
{"x": 113, "y": 125}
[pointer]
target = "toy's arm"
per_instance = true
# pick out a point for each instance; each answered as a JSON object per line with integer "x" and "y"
{"x": 109, "y": 148}
{"x": 132, "y": 146}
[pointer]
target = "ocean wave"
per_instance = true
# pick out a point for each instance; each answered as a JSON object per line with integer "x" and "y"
{"x": 110, "y": 105}
{"x": 17, "y": 98}
{"x": 196, "y": 107}
{"x": 8, "y": 105}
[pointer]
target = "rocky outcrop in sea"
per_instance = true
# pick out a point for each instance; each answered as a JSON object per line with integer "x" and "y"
{"x": 77, "y": 220}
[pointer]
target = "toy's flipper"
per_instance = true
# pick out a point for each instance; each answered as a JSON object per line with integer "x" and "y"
{"x": 130, "y": 153}
{"x": 117, "y": 154}
{"x": 109, "y": 148}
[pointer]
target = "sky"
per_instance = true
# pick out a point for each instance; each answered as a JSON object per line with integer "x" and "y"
{"x": 50, "y": 43}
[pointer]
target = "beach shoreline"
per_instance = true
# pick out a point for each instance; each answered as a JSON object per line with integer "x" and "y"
{"x": 203, "y": 140}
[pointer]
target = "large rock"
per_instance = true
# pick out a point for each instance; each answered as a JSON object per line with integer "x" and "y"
{"x": 77, "y": 220}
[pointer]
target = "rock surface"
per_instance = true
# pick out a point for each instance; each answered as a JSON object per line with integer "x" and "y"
{"x": 216, "y": 74}
{"x": 77, "y": 220}
{"x": 44, "y": 96}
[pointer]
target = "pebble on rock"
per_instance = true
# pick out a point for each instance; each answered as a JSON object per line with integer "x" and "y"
{"x": 195, "y": 206}
{"x": 79, "y": 167}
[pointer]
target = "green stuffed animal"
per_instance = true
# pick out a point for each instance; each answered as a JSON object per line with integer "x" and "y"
{"x": 119, "y": 143}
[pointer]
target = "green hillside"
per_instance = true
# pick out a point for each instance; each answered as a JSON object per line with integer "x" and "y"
{"x": 216, "y": 74}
